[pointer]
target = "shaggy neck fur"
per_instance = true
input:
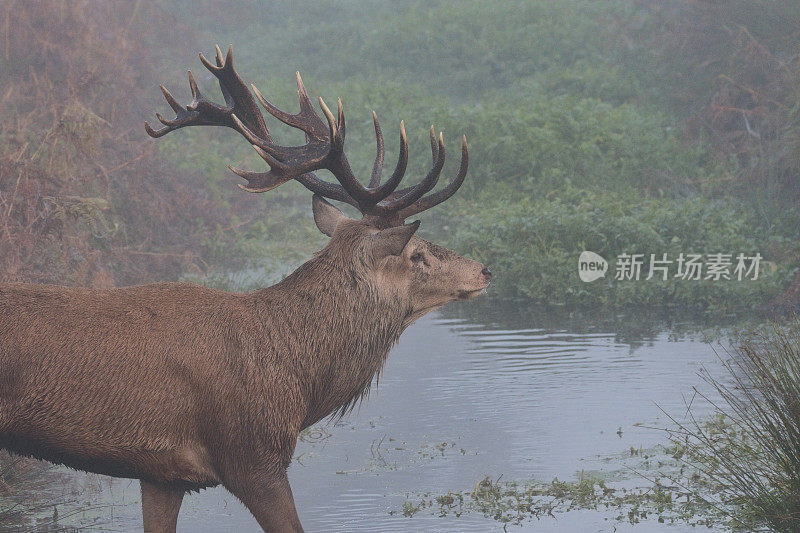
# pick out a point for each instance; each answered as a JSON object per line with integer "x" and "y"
{"x": 342, "y": 324}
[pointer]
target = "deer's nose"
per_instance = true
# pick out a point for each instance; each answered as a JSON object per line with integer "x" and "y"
{"x": 486, "y": 272}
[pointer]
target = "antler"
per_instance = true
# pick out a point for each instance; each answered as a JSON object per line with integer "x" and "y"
{"x": 324, "y": 148}
{"x": 203, "y": 112}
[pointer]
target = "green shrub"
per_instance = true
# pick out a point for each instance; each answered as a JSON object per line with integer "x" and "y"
{"x": 533, "y": 248}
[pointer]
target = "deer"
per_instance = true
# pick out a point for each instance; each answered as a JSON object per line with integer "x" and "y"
{"x": 184, "y": 387}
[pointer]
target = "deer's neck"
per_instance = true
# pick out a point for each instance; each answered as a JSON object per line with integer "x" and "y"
{"x": 340, "y": 329}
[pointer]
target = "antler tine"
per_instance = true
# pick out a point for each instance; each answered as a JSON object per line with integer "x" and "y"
{"x": 367, "y": 198}
{"x": 336, "y": 137}
{"x": 238, "y": 98}
{"x": 337, "y": 192}
{"x": 377, "y": 167}
{"x": 340, "y": 117}
{"x": 195, "y": 91}
{"x": 337, "y": 163}
{"x": 412, "y": 194}
{"x": 305, "y": 101}
{"x": 285, "y": 163}
{"x": 189, "y": 115}
{"x": 384, "y": 191}
{"x": 171, "y": 100}
{"x": 387, "y": 188}
{"x": 434, "y": 145}
{"x": 435, "y": 155}
{"x": 181, "y": 114}
{"x": 440, "y": 196}
{"x": 324, "y": 149}
{"x": 306, "y": 120}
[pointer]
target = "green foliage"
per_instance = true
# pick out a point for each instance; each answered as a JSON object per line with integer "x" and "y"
{"x": 571, "y": 112}
{"x": 461, "y": 48}
{"x": 533, "y": 247}
{"x": 569, "y": 144}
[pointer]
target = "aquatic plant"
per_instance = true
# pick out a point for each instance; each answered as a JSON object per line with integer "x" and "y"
{"x": 516, "y": 502}
{"x": 751, "y": 454}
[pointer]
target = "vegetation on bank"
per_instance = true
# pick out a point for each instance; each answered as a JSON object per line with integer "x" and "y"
{"x": 85, "y": 199}
{"x": 751, "y": 455}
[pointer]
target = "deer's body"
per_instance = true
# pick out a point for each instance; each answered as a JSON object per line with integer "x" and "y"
{"x": 162, "y": 382}
{"x": 114, "y": 381}
{"x": 185, "y": 387}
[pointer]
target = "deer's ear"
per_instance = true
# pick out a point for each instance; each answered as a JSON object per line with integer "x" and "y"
{"x": 391, "y": 241}
{"x": 326, "y": 216}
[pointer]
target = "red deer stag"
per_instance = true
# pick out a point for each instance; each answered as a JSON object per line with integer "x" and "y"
{"x": 185, "y": 387}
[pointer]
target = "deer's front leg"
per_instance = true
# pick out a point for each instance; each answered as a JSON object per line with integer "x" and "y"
{"x": 160, "y": 507}
{"x": 269, "y": 497}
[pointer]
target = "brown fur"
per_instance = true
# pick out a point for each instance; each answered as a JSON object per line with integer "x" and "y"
{"x": 186, "y": 387}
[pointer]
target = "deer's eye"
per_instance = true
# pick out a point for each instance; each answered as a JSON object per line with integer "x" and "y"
{"x": 417, "y": 257}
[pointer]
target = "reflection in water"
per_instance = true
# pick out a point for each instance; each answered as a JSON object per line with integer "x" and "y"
{"x": 487, "y": 388}
{"x": 636, "y": 327}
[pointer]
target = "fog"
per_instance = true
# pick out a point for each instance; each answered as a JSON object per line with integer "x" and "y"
{"x": 650, "y": 131}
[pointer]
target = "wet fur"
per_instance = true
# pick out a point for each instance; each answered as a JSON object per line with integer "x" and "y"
{"x": 145, "y": 381}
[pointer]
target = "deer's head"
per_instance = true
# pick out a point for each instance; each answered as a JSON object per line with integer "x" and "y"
{"x": 400, "y": 264}
{"x": 380, "y": 246}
